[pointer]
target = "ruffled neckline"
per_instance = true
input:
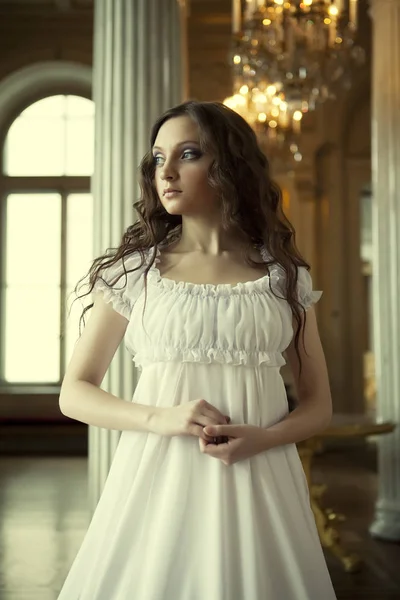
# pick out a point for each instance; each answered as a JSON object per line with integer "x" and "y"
{"x": 214, "y": 289}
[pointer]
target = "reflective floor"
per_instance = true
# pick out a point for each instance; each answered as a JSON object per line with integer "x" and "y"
{"x": 43, "y": 518}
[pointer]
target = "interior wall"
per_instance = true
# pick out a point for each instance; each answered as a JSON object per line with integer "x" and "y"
{"x": 209, "y": 45}
{"x": 357, "y": 148}
{"x": 342, "y": 169}
{"x": 329, "y": 269}
{"x": 30, "y": 34}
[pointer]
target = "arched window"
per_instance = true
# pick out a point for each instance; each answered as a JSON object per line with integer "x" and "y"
{"x": 46, "y": 236}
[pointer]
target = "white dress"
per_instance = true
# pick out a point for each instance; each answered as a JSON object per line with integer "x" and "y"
{"x": 173, "y": 523}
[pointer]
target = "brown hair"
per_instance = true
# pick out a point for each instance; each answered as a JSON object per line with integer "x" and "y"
{"x": 250, "y": 201}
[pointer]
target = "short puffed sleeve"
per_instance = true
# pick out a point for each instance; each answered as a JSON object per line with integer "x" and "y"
{"x": 306, "y": 295}
{"x": 120, "y": 288}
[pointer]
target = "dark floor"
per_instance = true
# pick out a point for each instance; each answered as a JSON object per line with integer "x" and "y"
{"x": 352, "y": 487}
{"x": 43, "y": 518}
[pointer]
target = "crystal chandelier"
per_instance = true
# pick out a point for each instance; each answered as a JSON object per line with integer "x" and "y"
{"x": 288, "y": 56}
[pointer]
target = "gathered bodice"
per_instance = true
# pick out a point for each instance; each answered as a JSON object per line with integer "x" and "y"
{"x": 246, "y": 324}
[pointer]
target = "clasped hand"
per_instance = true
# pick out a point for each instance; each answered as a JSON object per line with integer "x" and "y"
{"x": 243, "y": 441}
{"x": 217, "y": 437}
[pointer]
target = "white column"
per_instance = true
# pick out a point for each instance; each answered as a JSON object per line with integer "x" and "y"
{"x": 139, "y": 60}
{"x": 386, "y": 255}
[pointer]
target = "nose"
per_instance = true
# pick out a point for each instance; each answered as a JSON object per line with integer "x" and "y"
{"x": 168, "y": 172}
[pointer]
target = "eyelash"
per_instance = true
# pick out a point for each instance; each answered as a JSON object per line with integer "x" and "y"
{"x": 196, "y": 154}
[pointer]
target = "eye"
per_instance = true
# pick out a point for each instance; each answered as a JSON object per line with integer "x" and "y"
{"x": 191, "y": 154}
{"x": 157, "y": 159}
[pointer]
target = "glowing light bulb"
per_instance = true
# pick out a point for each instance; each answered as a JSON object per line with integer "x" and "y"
{"x": 240, "y": 101}
{"x": 244, "y": 90}
{"x": 259, "y": 98}
{"x": 297, "y": 115}
{"x": 237, "y": 60}
{"x": 262, "y": 117}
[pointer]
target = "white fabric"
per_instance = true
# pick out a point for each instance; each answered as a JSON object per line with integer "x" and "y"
{"x": 172, "y": 523}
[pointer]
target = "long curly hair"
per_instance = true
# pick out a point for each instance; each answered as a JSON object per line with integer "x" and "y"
{"x": 250, "y": 201}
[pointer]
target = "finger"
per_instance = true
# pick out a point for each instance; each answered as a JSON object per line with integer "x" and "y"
{"x": 202, "y": 444}
{"x": 223, "y": 430}
{"x": 198, "y": 431}
{"x": 205, "y": 420}
{"x": 212, "y": 440}
{"x": 226, "y": 453}
{"x": 220, "y": 451}
{"x": 214, "y": 414}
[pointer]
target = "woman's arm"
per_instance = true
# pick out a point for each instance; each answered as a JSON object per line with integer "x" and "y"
{"x": 314, "y": 411}
{"x": 81, "y": 397}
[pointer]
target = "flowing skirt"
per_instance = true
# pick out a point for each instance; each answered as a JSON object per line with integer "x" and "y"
{"x": 175, "y": 524}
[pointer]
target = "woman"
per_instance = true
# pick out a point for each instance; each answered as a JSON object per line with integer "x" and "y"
{"x": 206, "y": 497}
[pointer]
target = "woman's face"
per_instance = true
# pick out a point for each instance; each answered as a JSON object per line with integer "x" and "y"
{"x": 181, "y": 169}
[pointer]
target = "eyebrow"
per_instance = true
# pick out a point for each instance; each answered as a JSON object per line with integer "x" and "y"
{"x": 180, "y": 144}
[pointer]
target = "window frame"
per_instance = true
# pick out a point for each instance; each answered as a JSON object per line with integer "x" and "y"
{"x": 64, "y": 186}
{"x": 18, "y": 91}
